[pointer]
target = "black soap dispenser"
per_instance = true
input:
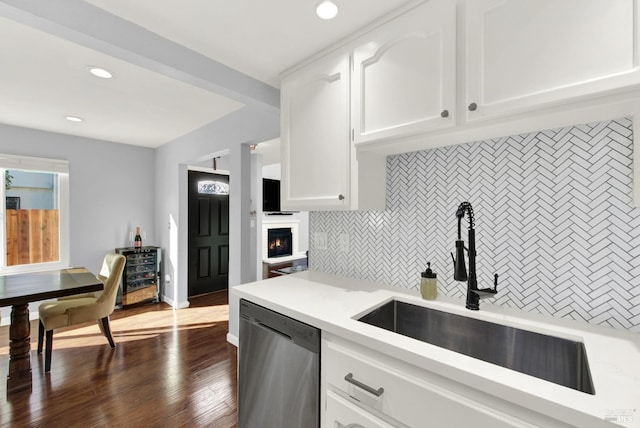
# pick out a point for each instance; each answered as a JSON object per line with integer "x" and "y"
{"x": 428, "y": 284}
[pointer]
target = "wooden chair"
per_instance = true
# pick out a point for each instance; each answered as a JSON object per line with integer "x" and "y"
{"x": 82, "y": 308}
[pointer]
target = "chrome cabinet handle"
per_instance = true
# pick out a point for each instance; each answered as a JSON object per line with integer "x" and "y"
{"x": 445, "y": 113}
{"x": 473, "y": 107}
{"x": 377, "y": 392}
{"x": 340, "y": 198}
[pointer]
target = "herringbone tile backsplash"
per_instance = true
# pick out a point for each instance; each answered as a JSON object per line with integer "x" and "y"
{"x": 554, "y": 219}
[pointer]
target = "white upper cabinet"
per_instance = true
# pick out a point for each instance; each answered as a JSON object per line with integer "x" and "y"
{"x": 442, "y": 72}
{"x": 403, "y": 79}
{"x": 525, "y": 54}
{"x": 315, "y": 143}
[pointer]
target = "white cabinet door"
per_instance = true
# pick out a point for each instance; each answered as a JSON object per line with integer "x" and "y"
{"x": 342, "y": 414}
{"x": 522, "y": 54}
{"x": 315, "y": 143}
{"x": 404, "y": 74}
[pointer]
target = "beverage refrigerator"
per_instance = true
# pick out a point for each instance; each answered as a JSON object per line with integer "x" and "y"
{"x": 141, "y": 277}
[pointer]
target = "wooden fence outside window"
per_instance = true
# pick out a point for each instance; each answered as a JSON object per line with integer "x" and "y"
{"x": 33, "y": 236}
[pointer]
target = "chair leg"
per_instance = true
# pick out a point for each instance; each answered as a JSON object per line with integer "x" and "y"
{"x": 40, "y": 336}
{"x": 47, "y": 351}
{"x": 107, "y": 331}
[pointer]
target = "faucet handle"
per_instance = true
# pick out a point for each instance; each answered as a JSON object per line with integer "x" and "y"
{"x": 484, "y": 293}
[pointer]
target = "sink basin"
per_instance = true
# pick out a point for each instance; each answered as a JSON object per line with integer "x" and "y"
{"x": 551, "y": 358}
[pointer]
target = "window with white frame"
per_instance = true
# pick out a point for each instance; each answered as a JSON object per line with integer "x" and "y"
{"x": 35, "y": 215}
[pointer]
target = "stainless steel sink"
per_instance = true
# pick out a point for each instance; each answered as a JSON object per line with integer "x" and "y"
{"x": 551, "y": 358}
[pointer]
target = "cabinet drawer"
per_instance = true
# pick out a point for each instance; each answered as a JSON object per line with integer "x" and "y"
{"x": 342, "y": 414}
{"x": 403, "y": 396}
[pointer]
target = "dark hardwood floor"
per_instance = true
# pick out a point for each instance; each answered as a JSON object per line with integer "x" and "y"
{"x": 169, "y": 369}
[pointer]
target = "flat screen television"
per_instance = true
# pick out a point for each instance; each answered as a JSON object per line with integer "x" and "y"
{"x": 270, "y": 195}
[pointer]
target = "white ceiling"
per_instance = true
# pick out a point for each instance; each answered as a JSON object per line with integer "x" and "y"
{"x": 170, "y": 60}
{"x": 49, "y": 80}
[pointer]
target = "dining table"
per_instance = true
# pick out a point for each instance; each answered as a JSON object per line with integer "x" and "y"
{"x": 17, "y": 291}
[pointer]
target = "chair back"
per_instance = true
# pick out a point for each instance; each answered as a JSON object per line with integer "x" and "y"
{"x": 110, "y": 274}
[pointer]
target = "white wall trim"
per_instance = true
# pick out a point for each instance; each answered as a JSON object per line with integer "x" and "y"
{"x": 59, "y": 168}
{"x": 176, "y": 305}
{"x": 232, "y": 339}
{"x": 266, "y": 225}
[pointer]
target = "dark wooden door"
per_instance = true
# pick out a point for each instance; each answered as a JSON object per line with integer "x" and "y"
{"x": 208, "y": 234}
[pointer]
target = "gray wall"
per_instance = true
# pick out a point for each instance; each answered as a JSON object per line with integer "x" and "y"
{"x": 229, "y": 135}
{"x": 554, "y": 218}
{"x": 111, "y": 189}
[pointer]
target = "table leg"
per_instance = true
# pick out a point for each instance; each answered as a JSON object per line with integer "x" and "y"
{"x": 19, "y": 377}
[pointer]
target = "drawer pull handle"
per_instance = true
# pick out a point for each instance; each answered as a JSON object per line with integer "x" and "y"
{"x": 377, "y": 392}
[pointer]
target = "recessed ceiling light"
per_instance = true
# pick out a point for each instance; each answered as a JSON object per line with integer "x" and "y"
{"x": 100, "y": 72}
{"x": 327, "y": 9}
{"x": 74, "y": 119}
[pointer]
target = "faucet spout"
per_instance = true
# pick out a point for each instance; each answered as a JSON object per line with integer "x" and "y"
{"x": 459, "y": 268}
{"x": 474, "y": 294}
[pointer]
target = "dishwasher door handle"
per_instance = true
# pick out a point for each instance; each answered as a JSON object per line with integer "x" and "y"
{"x": 377, "y": 392}
{"x": 275, "y": 331}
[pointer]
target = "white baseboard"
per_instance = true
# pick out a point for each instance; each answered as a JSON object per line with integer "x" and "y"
{"x": 232, "y": 339}
{"x": 171, "y": 302}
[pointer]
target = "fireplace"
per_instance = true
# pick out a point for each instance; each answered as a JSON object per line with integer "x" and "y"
{"x": 279, "y": 242}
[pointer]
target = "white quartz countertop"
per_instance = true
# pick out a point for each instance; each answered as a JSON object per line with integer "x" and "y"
{"x": 333, "y": 304}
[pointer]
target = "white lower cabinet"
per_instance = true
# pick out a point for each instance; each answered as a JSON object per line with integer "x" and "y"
{"x": 363, "y": 388}
{"x": 341, "y": 413}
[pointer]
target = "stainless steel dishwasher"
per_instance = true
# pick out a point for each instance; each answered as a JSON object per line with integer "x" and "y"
{"x": 278, "y": 371}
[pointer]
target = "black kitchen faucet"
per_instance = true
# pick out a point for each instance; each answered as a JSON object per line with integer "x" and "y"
{"x": 459, "y": 270}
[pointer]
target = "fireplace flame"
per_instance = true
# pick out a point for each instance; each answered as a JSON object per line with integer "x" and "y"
{"x": 275, "y": 244}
